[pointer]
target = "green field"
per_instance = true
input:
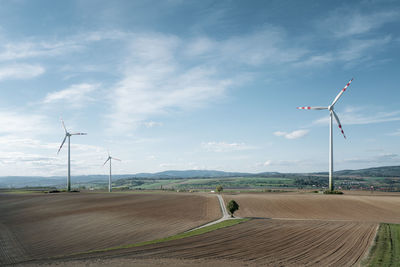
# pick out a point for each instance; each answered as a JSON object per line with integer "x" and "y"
{"x": 205, "y": 183}
{"x": 386, "y": 250}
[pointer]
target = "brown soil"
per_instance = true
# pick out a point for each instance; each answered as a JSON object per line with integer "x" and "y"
{"x": 366, "y": 208}
{"x": 306, "y": 229}
{"x": 257, "y": 242}
{"x": 45, "y": 225}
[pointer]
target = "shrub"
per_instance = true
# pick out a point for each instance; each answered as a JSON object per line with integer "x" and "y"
{"x": 334, "y": 192}
{"x": 219, "y": 188}
{"x": 232, "y": 207}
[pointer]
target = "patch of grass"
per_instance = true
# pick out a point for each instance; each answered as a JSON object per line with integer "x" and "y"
{"x": 386, "y": 250}
{"x": 174, "y": 237}
{"x": 21, "y": 191}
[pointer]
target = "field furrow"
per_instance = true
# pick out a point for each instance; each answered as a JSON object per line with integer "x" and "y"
{"x": 264, "y": 242}
{"x": 370, "y": 208}
{"x": 60, "y": 224}
{"x": 287, "y": 229}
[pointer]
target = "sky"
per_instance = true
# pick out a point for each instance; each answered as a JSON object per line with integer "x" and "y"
{"x": 178, "y": 85}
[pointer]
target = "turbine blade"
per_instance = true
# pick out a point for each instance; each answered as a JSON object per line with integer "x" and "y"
{"x": 79, "y": 134}
{"x": 116, "y": 159}
{"x": 106, "y": 161}
{"x": 108, "y": 151}
{"x": 341, "y": 92}
{"x": 62, "y": 144}
{"x": 62, "y": 121}
{"x": 315, "y": 108}
{"x": 339, "y": 124}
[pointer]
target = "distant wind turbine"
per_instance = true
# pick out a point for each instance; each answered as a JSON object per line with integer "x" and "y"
{"x": 332, "y": 114}
{"x": 67, "y": 134}
{"x": 109, "y": 178}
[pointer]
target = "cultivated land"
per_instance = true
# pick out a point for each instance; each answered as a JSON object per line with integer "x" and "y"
{"x": 294, "y": 229}
{"x": 46, "y": 225}
{"x": 361, "y": 206}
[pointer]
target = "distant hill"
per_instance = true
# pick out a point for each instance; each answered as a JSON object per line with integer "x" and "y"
{"x": 190, "y": 174}
{"x": 388, "y": 171}
{"x": 31, "y": 181}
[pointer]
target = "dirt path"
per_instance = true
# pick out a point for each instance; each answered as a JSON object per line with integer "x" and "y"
{"x": 225, "y": 215}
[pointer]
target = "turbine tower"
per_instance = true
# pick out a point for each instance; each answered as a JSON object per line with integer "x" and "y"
{"x": 68, "y": 134}
{"x": 109, "y": 178}
{"x": 332, "y": 114}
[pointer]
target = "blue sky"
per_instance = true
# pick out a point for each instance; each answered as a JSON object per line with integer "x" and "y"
{"x": 197, "y": 85}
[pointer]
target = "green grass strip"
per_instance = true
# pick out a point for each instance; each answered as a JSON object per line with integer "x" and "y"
{"x": 386, "y": 251}
{"x": 16, "y": 191}
{"x": 174, "y": 237}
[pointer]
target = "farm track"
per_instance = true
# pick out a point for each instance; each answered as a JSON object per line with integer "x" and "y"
{"x": 225, "y": 215}
{"x": 60, "y": 224}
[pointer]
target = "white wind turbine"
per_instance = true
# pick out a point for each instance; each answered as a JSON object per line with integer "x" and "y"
{"x": 332, "y": 114}
{"x": 67, "y": 134}
{"x": 109, "y": 178}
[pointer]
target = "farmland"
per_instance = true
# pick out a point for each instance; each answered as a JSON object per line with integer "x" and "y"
{"x": 44, "y": 225}
{"x": 260, "y": 242}
{"x": 350, "y": 207}
{"x": 285, "y": 229}
{"x": 205, "y": 183}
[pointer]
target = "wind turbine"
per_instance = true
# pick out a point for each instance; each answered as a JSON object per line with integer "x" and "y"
{"x": 68, "y": 134}
{"x": 331, "y": 114}
{"x": 109, "y": 178}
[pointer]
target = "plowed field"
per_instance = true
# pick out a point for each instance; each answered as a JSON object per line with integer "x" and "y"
{"x": 295, "y": 229}
{"x": 44, "y": 225}
{"x": 257, "y": 242}
{"x": 366, "y": 208}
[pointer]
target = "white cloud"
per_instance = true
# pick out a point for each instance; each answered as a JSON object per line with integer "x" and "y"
{"x": 30, "y": 49}
{"x": 18, "y": 157}
{"x": 76, "y": 94}
{"x": 292, "y": 135}
{"x": 200, "y": 46}
{"x": 20, "y": 71}
{"x": 357, "y": 23}
{"x": 15, "y": 123}
{"x": 151, "y": 124}
{"x": 358, "y": 48}
{"x": 225, "y": 147}
{"x": 19, "y": 142}
{"x": 167, "y": 165}
{"x": 303, "y": 165}
{"x": 378, "y": 160}
{"x": 358, "y": 116}
{"x": 157, "y": 81}
{"x": 151, "y": 157}
{"x": 163, "y": 74}
{"x": 266, "y": 46}
{"x": 267, "y": 163}
{"x": 396, "y": 133}
{"x": 269, "y": 46}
